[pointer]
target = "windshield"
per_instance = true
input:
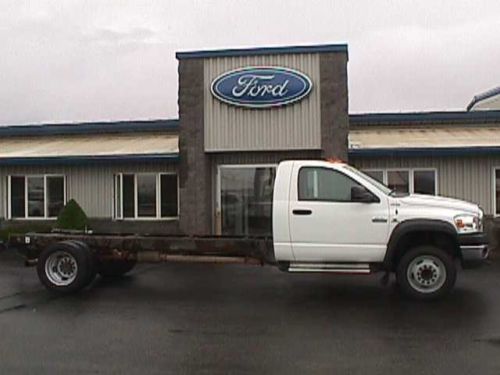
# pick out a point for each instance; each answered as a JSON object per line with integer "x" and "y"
{"x": 371, "y": 180}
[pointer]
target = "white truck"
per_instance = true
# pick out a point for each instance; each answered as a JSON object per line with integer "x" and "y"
{"x": 327, "y": 217}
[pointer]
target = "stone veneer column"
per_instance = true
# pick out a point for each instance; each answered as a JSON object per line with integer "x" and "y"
{"x": 334, "y": 105}
{"x": 194, "y": 166}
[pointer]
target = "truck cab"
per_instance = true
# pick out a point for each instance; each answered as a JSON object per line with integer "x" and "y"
{"x": 328, "y": 216}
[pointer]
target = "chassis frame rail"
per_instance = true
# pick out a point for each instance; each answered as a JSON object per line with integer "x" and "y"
{"x": 150, "y": 248}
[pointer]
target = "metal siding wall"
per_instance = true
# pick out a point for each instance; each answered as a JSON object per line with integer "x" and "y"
{"x": 296, "y": 126}
{"x": 468, "y": 177}
{"x": 90, "y": 186}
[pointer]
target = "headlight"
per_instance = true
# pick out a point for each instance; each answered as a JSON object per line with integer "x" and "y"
{"x": 468, "y": 223}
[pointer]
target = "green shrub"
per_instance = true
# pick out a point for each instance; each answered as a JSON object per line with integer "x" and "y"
{"x": 72, "y": 217}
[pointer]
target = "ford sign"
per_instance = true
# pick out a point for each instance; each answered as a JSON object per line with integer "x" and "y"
{"x": 261, "y": 87}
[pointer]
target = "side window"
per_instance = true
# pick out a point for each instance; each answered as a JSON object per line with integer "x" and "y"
{"x": 322, "y": 184}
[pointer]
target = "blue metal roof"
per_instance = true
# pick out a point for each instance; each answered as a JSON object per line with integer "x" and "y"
{"x": 173, "y": 124}
{"x": 423, "y": 151}
{"x": 369, "y": 119}
{"x": 485, "y": 95}
{"x": 424, "y": 117}
{"x": 321, "y": 48}
{"x": 90, "y": 128}
{"x": 85, "y": 160}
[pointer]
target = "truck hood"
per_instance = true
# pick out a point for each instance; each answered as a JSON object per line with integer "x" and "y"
{"x": 439, "y": 202}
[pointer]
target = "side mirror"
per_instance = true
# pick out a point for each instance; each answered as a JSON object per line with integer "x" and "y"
{"x": 362, "y": 195}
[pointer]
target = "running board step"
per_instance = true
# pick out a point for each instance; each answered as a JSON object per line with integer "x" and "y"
{"x": 357, "y": 268}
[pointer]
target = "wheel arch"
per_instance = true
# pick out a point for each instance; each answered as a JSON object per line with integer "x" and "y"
{"x": 418, "y": 232}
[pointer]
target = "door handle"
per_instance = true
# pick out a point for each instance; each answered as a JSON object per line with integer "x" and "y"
{"x": 302, "y": 212}
{"x": 379, "y": 220}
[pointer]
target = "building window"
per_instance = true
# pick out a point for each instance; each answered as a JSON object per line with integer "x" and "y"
{"x": 168, "y": 195}
{"x": 399, "y": 181}
{"x": 36, "y": 197}
{"x": 376, "y": 174}
{"x": 146, "y": 196}
{"x": 497, "y": 191}
{"x": 424, "y": 182}
{"x": 245, "y": 199}
{"x": 418, "y": 181}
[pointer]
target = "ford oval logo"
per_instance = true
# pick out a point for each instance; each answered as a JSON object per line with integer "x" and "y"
{"x": 261, "y": 87}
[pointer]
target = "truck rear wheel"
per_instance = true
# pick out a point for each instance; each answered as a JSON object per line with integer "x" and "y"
{"x": 64, "y": 267}
{"x": 426, "y": 272}
{"x": 92, "y": 268}
{"x": 115, "y": 268}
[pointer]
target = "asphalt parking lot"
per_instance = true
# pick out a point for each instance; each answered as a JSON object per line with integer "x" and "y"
{"x": 195, "y": 319}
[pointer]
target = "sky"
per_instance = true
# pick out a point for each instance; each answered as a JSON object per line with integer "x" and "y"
{"x": 107, "y": 60}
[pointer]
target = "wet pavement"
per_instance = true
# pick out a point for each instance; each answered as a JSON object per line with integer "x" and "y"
{"x": 196, "y": 319}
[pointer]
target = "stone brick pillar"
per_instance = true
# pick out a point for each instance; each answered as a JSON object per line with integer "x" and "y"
{"x": 194, "y": 167}
{"x": 334, "y": 105}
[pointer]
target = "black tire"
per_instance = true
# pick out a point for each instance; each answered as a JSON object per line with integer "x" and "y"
{"x": 115, "y": 268}
{"x": 64, "y": 267}
{"x": 92, "y": 267}
{"x": 426, "y": 272}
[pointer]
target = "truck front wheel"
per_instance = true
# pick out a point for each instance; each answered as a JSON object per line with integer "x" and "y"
{"x": 115, "y": 268}
{"x": 426, "y": 272}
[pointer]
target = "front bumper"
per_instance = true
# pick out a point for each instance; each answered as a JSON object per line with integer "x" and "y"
{"x": 473, "y": 249}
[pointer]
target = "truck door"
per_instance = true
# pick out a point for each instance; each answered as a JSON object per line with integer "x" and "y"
{"x": 329, "y": 224}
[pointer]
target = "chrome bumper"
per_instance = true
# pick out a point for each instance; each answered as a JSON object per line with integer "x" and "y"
{"x": 474, "y": 249}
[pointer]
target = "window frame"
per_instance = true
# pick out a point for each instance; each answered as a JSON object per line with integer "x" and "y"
{"x": 331, "y": 200}
{"x": 45, "y": 195}
{"x": 411, "y": 176}
{"x": 119, "y": 215}
{"x": 494, "y": 190}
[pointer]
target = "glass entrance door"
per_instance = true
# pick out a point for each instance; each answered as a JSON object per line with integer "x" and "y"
{"x": 245, "y": 199}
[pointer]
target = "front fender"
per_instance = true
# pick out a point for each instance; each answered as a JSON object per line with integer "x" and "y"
{"x": 416, "y": 225}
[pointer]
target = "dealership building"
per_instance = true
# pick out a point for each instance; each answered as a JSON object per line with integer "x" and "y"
{"x": 211, "y": 171}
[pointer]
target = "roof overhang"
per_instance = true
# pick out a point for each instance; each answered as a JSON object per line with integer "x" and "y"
{"x": 85, "y": 160}
{"x": 424, "y": 151}
{"x": 91, "y": 148}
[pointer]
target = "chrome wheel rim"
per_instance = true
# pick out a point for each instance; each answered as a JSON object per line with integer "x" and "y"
{"x": 61, "y": 268}
{"x": 426, "y": 274}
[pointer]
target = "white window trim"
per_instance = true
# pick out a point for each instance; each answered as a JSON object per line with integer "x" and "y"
{"x": 494, "y": 189}
{"x": 158, "y": 216}
{"x": 45, "y": 200}
{"x": 411, "y": 176}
